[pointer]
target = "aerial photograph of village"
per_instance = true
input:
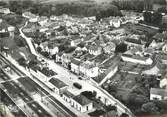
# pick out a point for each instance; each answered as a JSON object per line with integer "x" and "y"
{"x": 83, "y": 58}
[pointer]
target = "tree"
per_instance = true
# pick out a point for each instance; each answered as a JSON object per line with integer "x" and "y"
{"x": 88, "y": 94}
{"x": 136, "y": 100}
{"x": 22, "y": 62}
{"x": 162, "y": 105}
{"x": 4, "y": 4}
{"x": 121, "y": 48}
{"x": 149, "y": 107}
{"x": 26, "y": 4}
{"x": 163, "y": 27}
{"x": 15, "y": 6}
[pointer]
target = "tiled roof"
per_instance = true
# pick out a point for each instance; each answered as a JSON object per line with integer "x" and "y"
{"x": 57, "y": 83}
{"x": 82, "y": 100}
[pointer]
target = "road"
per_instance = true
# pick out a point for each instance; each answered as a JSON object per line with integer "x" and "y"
{"x": 28, "y": 40}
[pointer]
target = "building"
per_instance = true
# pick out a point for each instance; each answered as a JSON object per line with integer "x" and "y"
{"x": 115, "y": 23}
{"x": 42, "y": 20}
{"x": 158, "y": 94}
{"x": 81, "y": 103}
{"x": 109, "y": 48}
{"x": 3, "y": 26}
{"x": 134, "y": 42}
{"x": 164, "y": 19}
{"x": 88, "y": 69}
{"x": 67, "y": 96}
{"x": 5, "y": 10}
{"x": 30, "y": 16}
{"x": 57, "y": 85}
{"x": 66, "y": 59}
{"x": 58, "y": 57}
{"x": 95, "y": 50}
{"x": 163, "y": 81}
{"x": 75, "y": 64}
{"x": 75, "y": 42}
{"x": 137, "y": 59}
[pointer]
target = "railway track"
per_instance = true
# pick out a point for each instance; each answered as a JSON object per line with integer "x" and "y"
{"x": 58, "y": 105}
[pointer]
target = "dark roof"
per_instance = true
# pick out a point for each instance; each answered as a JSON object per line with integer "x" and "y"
{"x": 158, "y": 91}
{"x": 68, "y": 94}
{"x": 82, "y": 100}
{"x": 75, "y": 61}
{"x": 57, "y": 83}
{"x": 5, "y": 34}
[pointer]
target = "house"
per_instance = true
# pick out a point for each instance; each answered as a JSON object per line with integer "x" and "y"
{"x": 88, "y": 69}
{"x": 148, "y": 51}
{"x": 95, "y": 50}
{"x": 75, "y": 64}
{"x": 57, "y": 85}
{"x": 67, "y": 96}
{"x": 137, "y": 59}
{"x": 134, "y": 51}
{"x": 163, "y": 81}
{"x": 42, "y": 20}
{"x": 66, "y": 59}
{"x": 109, "y": 48}
{"x": 81, "y": 103}
{"x": 53, "y": 18}
{"x": 115, "y": 23}
{"x": 5, "y": 10}
{"x": 3, "y": 26}
{"x": 134, "y": 42}
{"x": 30, "y": 16}
{"x": 158, "y": 94}
{"x": 74, "y": 43}
{"x": 58, "y": 57}
{"x": 44, "y": 46}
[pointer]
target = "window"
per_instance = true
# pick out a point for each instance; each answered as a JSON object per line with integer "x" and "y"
{"x": 87, "y": 108}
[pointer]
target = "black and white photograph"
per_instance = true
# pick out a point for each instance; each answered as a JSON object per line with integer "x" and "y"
{"x": 83, "y": 58}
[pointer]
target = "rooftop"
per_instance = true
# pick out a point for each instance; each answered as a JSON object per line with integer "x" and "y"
{"x": 57, "y": 83}
{"x": 135, "y": 57}
{"x": 68, "y": 94}
{"x": 82, "y": 100}
{"x": 158, "y": 91}
{"x": 75, "y": 61}
{"x": 135, "y": 41}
